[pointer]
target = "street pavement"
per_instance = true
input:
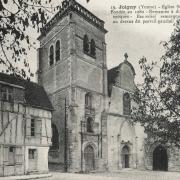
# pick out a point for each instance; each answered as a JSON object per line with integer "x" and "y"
{"x": 121, "y": 175}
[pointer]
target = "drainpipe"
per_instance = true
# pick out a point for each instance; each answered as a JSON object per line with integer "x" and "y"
{"x": 65, "y": 139}
{"x": 81, "y": 147}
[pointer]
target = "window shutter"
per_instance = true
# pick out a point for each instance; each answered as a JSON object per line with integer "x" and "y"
{"x": 6, "y": 157}
{"x": 48, "y": 130}
{"x": 38, "y": 129}
{"x": 35, "y": 154}
{"x": 18, "y": 156}
{"x": 28, "y": 127}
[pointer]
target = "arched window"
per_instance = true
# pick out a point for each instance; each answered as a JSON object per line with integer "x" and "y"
{"x": 88, "y": 100}
{"x": 126, "y": 104}
{"x": 51, "y": 56}
{"x": 89, "y": 124}
{"x": 55, "y": 137}
{"x": 58, "y": 50}
{"x": 93, "y": 48}
{"x": 86, "y": 44}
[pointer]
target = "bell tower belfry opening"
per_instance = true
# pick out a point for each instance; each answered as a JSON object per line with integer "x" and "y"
{"x": 72, "y": 63}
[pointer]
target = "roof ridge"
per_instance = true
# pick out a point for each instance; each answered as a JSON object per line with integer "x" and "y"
{"x": 35, "y": 93}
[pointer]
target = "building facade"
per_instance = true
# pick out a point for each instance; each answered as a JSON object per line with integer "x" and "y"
{"x": 125, "y": 141}
{"x": 72, "y": 69}
{"x": 91, "y": 119}
{"x": 25, "y": 128}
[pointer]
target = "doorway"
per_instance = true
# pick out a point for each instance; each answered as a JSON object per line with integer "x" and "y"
{"x": 160, "y": 159}
{"x": 125, "y": 157}
{"x": 32, "y": 155}
{"x": 89, "y": 158}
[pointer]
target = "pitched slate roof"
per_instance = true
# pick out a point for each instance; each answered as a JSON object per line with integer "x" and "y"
{"x": 35, "y": 94}
{"x": 111, "y": 76}
{"x": 113, "y": 73}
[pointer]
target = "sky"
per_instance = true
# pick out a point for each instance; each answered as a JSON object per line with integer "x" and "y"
{"x": 137, "y": 40}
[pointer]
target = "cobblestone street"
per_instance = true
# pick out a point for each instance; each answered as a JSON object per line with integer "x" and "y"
{"x": 123, "y": 175}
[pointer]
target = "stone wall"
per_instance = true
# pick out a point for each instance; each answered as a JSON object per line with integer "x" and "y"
{"x": 48, "y": 75}
{"x": 173, "y": 160}
{"x": 60, "y": 99}
{"x": 79, "y": 116}
{"x": 120, "y": 131}
{"x": 71, "y": 78}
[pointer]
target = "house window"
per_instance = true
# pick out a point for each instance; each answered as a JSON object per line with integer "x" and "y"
{"x": 32, "y": 153}
{"x": 58, "y": 50}
{"x": 7, "y": 93}
{"x": 32, "y": 127}
{"x": 126, "y": 104}
{"x": 51, "y": 56}
{"x": 93, "y": 48}
{"x": 89, "y": 124}
{"x": 86, "y": 44}
{"x": 88, "y": 100}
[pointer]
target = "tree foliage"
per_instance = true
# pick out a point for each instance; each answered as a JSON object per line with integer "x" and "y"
{"x": 158, "y": 97}
{"x": 16, "y": 17}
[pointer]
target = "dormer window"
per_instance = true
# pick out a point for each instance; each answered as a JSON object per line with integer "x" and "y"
{"x": 86, "y": 44}
{"x": 7, "y": 93}
{"x": 51, "y": 56}
{"x": 126, "y": 104}
{"x": 57, "y": 50}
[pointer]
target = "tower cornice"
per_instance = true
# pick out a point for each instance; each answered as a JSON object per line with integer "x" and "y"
{"x": 73, "y": 6}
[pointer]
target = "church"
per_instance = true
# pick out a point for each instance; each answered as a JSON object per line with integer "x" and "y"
{"x": 91, "y": 129}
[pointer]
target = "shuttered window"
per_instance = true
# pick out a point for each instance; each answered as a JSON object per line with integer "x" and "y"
{"x": 33, "y": 127}
{"x": 32, "y": 154}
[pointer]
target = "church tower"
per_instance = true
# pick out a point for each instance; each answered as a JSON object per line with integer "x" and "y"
{"x": 72, "y": 69}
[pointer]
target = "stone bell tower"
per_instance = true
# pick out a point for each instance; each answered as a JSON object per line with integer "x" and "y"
{"x": 72, "y": 69}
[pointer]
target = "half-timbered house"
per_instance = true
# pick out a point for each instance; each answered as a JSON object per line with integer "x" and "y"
{"x": 25, "y": 127}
